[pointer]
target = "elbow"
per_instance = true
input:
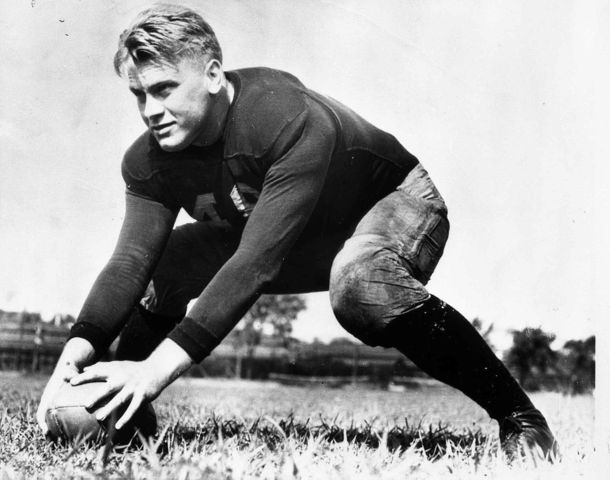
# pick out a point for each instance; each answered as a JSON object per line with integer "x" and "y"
{"x": 266, "y": 278}
{"x": 129, "y": 267}
{"x": 262, "y": 269}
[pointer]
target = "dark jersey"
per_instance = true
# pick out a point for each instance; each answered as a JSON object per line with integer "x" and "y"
{"x": 292, "y": 165}
{"x": 273, "y": 121}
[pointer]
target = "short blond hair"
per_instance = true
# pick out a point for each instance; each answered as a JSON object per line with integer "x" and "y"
{"x": 166, "y": 34}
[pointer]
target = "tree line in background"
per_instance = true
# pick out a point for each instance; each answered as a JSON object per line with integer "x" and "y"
{"x": 263, "y": 343}
{"x": 538, "y": 366}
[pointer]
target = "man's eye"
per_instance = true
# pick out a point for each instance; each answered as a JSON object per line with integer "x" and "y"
{"x": 164, "y": 91}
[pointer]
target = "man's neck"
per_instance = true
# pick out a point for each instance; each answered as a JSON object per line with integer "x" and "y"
{"x": 222, "y": 111}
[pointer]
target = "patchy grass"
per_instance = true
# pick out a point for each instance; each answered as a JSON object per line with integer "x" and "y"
{"x": 233, "y": 430}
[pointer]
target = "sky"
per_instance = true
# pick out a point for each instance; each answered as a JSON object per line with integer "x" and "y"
{"x": 503, "y": 103}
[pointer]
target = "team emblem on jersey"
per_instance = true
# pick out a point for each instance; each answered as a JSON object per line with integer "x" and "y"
{"x": 232, "y": 205}
{"x": 238, "y": 201}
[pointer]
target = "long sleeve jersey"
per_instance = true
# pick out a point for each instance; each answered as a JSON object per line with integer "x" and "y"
{"x": 291, "y": 165}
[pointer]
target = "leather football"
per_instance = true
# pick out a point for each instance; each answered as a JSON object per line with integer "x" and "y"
{"x": 68, "y": 419}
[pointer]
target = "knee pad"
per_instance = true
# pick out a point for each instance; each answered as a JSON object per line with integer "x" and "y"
{"x": 370, "y": 285}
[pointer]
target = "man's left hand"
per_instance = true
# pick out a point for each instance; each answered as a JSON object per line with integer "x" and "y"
{"x": 127, "y": 382}
{"x": 134, "y": 383}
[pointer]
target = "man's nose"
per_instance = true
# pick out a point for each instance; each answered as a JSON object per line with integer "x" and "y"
{"x": 152, "y": 107}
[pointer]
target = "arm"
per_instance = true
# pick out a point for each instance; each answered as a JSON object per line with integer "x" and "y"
{"x": 290, "y": 193}
{"x": 144, "y": 234}
{"x": 145, "y": 230}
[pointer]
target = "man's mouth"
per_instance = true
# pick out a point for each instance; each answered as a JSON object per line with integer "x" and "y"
{"x": 161, "y": 128}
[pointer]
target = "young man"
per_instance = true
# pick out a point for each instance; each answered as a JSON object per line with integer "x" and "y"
{"x": 291, "y": 192}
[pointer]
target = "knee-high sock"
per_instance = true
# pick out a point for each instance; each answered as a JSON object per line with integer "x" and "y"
{"x": 440, "y": 341}
{"x": 143, "y": 332}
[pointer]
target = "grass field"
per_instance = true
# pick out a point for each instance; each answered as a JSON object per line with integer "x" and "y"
{"x": 223, "y": 429}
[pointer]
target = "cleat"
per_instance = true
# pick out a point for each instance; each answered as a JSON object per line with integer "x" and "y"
{"x": 526, "y": 433}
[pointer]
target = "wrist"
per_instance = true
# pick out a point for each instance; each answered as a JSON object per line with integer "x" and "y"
{"x": 99, "y": 339}
{"x": 169, "y": 361}
{"x": 77, "y": 352}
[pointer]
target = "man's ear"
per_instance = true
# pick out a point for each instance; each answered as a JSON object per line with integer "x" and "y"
{"x": 214, "y": 75}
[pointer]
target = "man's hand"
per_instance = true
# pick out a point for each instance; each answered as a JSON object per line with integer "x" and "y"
{"x": 77, "y": 353}
{"x": 134, "y": 383}
{"x": 127, "y": 382}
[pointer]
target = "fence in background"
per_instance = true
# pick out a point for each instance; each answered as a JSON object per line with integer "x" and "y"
{"x": 29, "y": 344}
{"x": 32, "y": 347}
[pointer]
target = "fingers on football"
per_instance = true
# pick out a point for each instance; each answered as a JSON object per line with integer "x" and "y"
{"x": 91, "y": 373}
{"x": 135, "y": 403}
{"x": 118, "y": 400}
{"x": 101, "y": 395}
{"x": 40, "y": 419}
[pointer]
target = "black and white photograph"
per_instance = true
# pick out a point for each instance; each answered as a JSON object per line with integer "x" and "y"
{"x": 304, "y": 240}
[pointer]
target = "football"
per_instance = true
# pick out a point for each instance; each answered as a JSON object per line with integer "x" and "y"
{"x": 68, "y": 419}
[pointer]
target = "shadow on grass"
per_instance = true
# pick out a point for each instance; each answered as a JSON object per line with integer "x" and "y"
{"x": 433, "y": 441}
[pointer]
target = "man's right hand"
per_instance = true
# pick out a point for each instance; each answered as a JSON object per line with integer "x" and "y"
{"x": 77, "y": 354}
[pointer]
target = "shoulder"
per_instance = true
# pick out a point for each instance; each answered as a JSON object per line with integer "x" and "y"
{"x": 140, "y": 157}
{"x": 137, "y": 167}
{"x": 266, "y": 102}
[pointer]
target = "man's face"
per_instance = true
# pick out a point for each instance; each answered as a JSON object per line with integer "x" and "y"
{"x": 176, "y": 104}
